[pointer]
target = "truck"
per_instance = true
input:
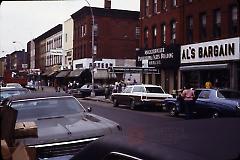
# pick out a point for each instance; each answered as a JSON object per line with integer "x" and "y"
{"x": 15, "y": 77}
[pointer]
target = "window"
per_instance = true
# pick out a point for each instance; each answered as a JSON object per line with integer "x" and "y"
{"x": 128, "y": 90}
{"x": 204, "y": 94}
{"x": 174, "y": 3}
{"x": 138, "y": 89}
{"x": 95, "y": 30}
{"x": 138, "y": 32}
{"x": 146, "y": 7}
{"x": 189, "y": 29}
{"x": 146, "y": 38}
{"x": 154, "y": 36}
{"x": 216, "y": 23}
{"x": 154, "y": 6}
{"x": 173, "y": 31}
{"x": 189, "y": 1}
{"x": 203, "y": 26}
{"x": 233, "y": 20}
{"x": 163, "y": 33}
{"x": 163, "y": 5}
{"x": 85, "y": 29}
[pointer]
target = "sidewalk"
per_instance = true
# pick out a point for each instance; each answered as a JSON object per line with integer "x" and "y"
{"x": 96, "y": 98}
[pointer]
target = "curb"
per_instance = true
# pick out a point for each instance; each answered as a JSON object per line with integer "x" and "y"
{"x": 96, "y": 99}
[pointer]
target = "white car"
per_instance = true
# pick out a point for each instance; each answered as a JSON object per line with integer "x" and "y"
{"x": 14, "y": 85}
{"x": 141, "y": 95}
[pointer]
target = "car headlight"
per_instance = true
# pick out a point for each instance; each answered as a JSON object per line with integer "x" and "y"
{"x": 238, "y": 105}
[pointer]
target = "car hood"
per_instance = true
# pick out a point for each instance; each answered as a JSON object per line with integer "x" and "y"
{"x": 74, "y": 127}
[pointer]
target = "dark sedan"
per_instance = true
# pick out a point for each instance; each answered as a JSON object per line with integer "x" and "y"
{"x": 209, "y": 102}
{"x": 85, "y": 91}
{"x": 64, "y": 125}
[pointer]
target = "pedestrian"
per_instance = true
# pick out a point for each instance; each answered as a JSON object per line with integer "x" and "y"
{"x": 188, "y": 101}
{"x": 208, "y": 84}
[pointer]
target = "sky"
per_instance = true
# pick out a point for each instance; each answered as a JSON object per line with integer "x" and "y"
{"x": 22, "y": 21}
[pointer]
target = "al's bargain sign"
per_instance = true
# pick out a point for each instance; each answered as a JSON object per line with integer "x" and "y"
{"x": 220, "y": 50}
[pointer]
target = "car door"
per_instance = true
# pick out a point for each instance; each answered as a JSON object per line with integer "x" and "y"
{"x": 124, "y": 96}
{"x": 202, "y": 103}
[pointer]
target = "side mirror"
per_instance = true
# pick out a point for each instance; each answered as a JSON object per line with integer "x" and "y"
{"x": 89, "y": 109}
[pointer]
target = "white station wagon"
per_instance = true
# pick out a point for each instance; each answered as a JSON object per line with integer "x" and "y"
{"x": 141, "y": 95}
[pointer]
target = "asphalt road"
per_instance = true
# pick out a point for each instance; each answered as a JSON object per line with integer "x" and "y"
{"x": 208, "y": 138}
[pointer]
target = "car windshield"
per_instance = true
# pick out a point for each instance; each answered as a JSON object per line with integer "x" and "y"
{"x": 154, "y": 90}
{"x": 6, "y": 94}
{"x": 47, "y": 108}
{"x": 228, "y": 94}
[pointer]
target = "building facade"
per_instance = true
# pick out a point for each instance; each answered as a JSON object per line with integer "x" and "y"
{"x": 67, "y": 61}
{"x": 203, "y": 37}
{"x": 115, "y": 37}
{"x": 211, "y": 44}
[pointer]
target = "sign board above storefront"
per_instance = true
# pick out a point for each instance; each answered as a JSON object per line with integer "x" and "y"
{"x": 164, "y": 57}
{"x": 220, "y": 50}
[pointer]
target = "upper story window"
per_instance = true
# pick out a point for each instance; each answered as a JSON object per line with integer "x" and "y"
{"x": 216, "y": 23}
{"x": 203, "y": 26}
{"x": 189, "y": 29}
{"x": 174, "y": 3}
{"x": 233, "y": 28}
{"x": 163, "y": 5}
{"x": 189, "y": 1}
{"x": 146, "y": 7}
{"x": 146, "y": 38}
{"x": 95, "y": 29}
{"x": 82, "y": 30}
{"x": 163, "y": 33}
{"x": 154, "y": 36}
{"x": 138, "y": 31}
{"x": 155, "y": 6}
{"x": 173, "y": 31}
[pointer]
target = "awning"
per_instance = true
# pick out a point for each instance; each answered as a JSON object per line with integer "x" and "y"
{"x": 101, "y": 74}
{"x": 63, "y": 73}
{"x": 75, "y": 73}
{"x": 46, "y": 73}
{"x": 203, "y": 67}
{"x": 53, "y": 73}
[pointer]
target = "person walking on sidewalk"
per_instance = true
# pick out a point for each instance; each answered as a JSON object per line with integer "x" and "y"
{"x": 188, "y": 98}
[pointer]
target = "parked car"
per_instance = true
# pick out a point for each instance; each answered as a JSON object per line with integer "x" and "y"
{"x": 141, "y": 95}
{"x": 64, "y": 125}
{"x": 6, "y": 92}
{"x": 86, "y": 90}
{"x": 15, "y": 85}
{"x": 209, "y": 102}
{"x": 31, "y": 87}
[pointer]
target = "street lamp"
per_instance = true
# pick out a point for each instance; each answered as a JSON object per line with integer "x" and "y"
{"x": 92, "y": 69}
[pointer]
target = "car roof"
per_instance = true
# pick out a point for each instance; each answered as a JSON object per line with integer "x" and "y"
{"x": 37, "y": 95}
{"x": 12, "y": 89}
{"x": 145, "y": 85}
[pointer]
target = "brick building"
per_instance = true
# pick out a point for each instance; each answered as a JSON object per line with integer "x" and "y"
{"x": 169, "y": 28}
{"x": 115, "y": 37}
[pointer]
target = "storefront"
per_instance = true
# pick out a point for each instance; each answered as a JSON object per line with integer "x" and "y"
{"x": 214, "y": 61}
{"x": 167, "y": 60}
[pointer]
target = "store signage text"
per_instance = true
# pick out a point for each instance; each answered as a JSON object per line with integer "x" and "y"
{"x": 211, "y": 51}
{"x": 163, "y": 56}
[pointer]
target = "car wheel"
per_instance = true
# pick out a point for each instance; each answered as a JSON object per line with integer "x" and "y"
{"x": 215, "y": 114}
{"x": 115, "y": 103}
{"x": 173, "y": 111}
{"x": 132, "y": 105}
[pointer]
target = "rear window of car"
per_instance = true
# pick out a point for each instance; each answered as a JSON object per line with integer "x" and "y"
{"x": 154, "y": 90}
{"x": 50, "y": 107}
{"x": 6, "y": 94}
{"x": 229, "y": 94}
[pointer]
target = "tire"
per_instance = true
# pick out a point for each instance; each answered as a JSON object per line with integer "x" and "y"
{"x": 173, "y": 111}
{"x": 115, "y": 103}
{"x": 132, "y": 105}
{"x": 215, "y": 114}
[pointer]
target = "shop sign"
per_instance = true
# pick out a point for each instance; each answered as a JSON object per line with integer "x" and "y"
{"x": 165, "y": 56}
{"x": 220, "y": 50}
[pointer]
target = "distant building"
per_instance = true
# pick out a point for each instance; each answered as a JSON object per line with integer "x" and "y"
{"x": 116, "y": 37}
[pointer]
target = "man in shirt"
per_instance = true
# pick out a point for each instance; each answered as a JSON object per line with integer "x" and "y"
{"x": 188, "y": 97}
